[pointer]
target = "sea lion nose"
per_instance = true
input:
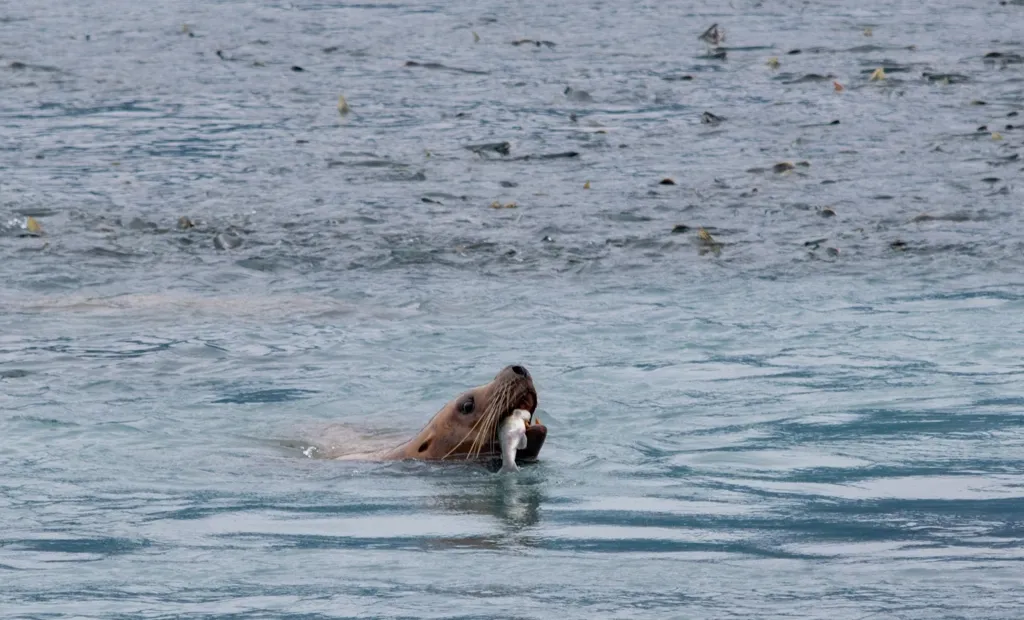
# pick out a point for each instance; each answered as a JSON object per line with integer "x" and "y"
{"x": 519, "y": 370}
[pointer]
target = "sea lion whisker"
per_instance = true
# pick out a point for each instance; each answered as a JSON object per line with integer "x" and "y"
{"x": 489, "y": 420}
{"x": 469, "y": 424}
{"x": 464, "y": 438}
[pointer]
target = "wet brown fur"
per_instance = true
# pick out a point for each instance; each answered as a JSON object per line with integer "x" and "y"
{"x": 452, "y": 434}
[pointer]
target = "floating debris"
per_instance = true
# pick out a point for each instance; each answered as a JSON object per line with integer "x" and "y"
{"x": 502, "y": 148}
{"x": 343, "y": 108}
{"x": 707, "y": 118}
{"x": 877, "y": 74}
{"x": 783, "y": 167}
{"x": 787, "y": 78}
{"x": 837, "y": 86}
{"x": 508, "y": 205}
{"x": 577, "y": 95}
{"x": 956, "y": 216}
{"x": 437, "y": 65}
{"x": 868, "y": 32}
{"x": 562, "y": 155}
{"x": 549, "y": 44}
{"x": 184, "y": 223}
{"x": 814, "y": 243}
{"x": 996, "y": 135}
{"x": 297, "y": 69}
{"x": 476, "y": 37}
{"x": 226, "y": 241}
{"x": 666, "y": 181}
{"x": 773, "y": 62}
{"x": 586, "y": 185}
{"x": 21, "y": 227}
{"x": 707, "y": 242}
{"x": 945, "y": 78}
{"x": 1008, "y": 58}
{"x": 713, "y": 36}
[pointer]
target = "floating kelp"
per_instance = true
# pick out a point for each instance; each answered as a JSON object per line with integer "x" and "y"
{"x": 440, "y": 67}
{"x": 533, "y": 42}
{"x": 945, "y": 78}
{"x": 502, "y": 148}
{"x": 790, "y": 78}
{"x": 546, "y": 156}
{"x": 707, "y": 243}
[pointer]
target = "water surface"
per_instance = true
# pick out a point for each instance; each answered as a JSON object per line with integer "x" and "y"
{"x": 817, "y": 413}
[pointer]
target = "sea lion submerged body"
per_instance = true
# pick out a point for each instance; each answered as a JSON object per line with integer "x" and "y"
{"x": 466, "y": 428}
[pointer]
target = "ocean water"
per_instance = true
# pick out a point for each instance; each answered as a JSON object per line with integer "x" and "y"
{"x": 812, "y": 409}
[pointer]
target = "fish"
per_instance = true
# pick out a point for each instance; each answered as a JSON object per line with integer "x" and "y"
{"x": 512, "y": 436}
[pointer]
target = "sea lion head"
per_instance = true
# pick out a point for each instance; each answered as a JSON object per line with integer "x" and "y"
{"x": 467, "y": 426}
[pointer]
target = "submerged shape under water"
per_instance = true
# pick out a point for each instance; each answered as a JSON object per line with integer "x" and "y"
{"x": 787, "y": 384}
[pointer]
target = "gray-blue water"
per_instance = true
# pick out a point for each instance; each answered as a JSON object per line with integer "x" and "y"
{"x": 817, "y": 413}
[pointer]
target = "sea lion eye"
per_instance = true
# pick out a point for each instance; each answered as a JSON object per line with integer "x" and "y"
{"x": 466, "y": 406}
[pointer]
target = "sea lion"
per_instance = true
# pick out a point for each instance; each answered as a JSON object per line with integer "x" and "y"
{"x": 466, "y": 428}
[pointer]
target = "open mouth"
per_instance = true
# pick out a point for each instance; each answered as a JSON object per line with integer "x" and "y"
{"x": 527, "y": 403}
{"x": 536, "y": 432}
